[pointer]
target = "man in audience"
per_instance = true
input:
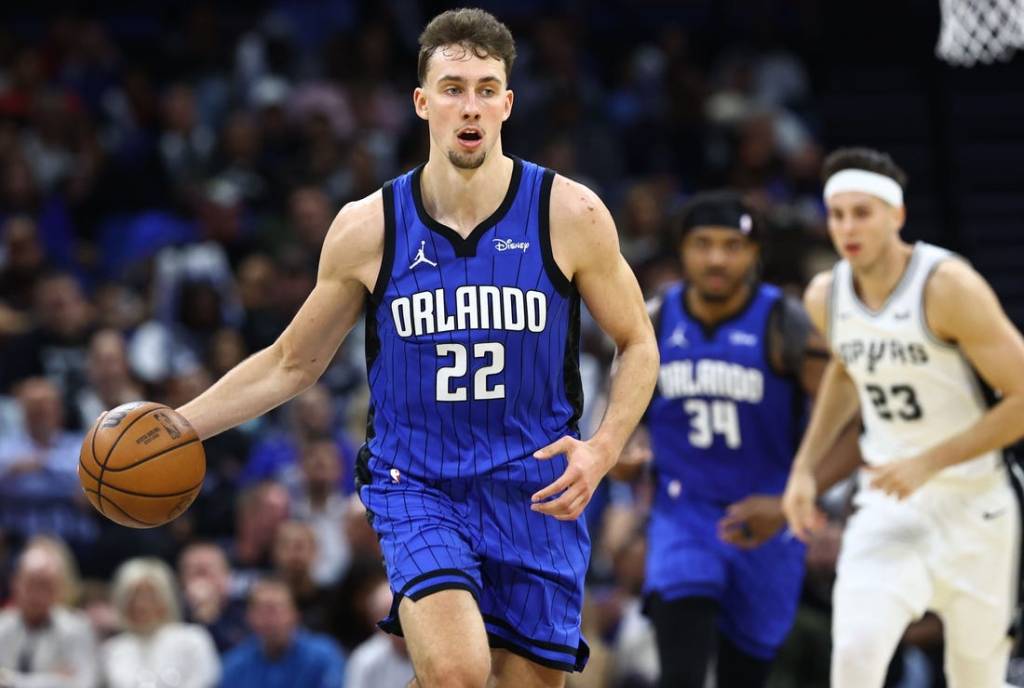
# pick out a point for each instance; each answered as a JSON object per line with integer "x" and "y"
{"x": 42, "y": 642}
{"x": 205, "y": 578}
{"x": 318, "y": 500}
{"x": 295, "y": 551}
{"x": 281, "y": 654}
{"x": 39, "y": 490}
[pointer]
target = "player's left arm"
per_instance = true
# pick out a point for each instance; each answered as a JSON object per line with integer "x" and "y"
{"x": 586, "y": 249}
{"x": 962, "y": 309}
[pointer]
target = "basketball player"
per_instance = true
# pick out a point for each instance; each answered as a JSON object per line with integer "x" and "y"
{"x": 918, "y": 338}
{"x": 737, "y": 363}
{"x": 471, "y": 268}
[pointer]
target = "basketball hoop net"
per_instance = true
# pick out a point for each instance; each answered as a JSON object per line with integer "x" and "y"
{"x": 982, "y": 31}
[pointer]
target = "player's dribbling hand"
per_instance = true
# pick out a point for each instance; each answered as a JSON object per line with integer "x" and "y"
{"x": 587, "y": 465}
{"x": 751, "y": 521}
{"x": 798, "y": 505}
{"x": 901, "y": 478}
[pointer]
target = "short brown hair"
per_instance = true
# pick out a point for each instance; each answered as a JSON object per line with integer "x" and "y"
{"x": 473, "y": 29}
{"x": 863, "y": 159}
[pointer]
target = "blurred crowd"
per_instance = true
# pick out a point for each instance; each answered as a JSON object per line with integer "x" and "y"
{"x": 166, "y": 180}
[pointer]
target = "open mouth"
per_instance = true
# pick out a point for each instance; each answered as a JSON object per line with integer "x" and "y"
{"x": 470, "y": 136}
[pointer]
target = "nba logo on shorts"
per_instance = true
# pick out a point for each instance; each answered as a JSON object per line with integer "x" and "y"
{"x": 395, "y": 475}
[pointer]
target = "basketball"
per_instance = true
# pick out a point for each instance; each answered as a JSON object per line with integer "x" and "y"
{"x": 141, "y": 464}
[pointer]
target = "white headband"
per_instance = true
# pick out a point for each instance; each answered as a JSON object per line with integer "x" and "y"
{"x": 877, "y": 185}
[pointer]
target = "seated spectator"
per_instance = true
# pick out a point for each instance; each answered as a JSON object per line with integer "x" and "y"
{"x": 155, "y": 649}
{"x": 24, "y": 261}
{"x": 39, "y": 489}
{"x": 295, "y": 551}
{"x": 110, "y": 382}
{"x": 259, "y": 511}
{"x": 383, "y": 660}
{"x": 56, "y": 347}
{"x": 281, "y": 654}
{"x": 319, "y": 501}
{"x": 206, "y": 583}
{"x": 42, "y": 641}
{"x": 310, "y": 415}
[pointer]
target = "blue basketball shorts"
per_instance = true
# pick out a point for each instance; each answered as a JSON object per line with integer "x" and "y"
{"x": 757, "y": 590}
{"x": 525, "y": 569}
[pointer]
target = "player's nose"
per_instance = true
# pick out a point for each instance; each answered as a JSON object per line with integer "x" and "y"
{"x": 470, "y": 107}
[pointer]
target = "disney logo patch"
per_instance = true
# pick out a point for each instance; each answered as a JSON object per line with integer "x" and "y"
{"x": 509, "y": 245}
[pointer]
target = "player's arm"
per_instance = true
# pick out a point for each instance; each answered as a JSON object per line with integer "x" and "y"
{"x": 962, "y": 309}
{"x": 795, "y": 349}
{"x": 586, "y": 248}
{"x": 349, "y": 262}
{"x": 835, "y": 406}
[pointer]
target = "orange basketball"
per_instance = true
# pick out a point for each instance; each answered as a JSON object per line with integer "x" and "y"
{"x": 141, "y": 464}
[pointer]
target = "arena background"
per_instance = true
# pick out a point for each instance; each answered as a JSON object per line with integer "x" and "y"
{"x": 168, "y": 173}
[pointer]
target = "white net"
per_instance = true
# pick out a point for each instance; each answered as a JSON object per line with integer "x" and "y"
{"x": 980, "y": 31}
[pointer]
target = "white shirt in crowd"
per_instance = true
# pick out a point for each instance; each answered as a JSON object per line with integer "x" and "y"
{"x": 175, "y": 656}
{"x": 377, "y": 664}
{"x": 61, "y": 654}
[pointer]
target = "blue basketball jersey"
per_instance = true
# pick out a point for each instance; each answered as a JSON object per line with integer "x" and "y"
{"x": 723, "y": 423}
{"x": 472, "y": 344}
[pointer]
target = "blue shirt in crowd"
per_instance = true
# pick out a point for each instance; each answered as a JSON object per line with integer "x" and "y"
{"x": 312, "y": 661}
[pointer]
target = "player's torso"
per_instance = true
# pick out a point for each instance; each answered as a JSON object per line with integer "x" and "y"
{"x": 915, "y": 390}
{"x": 472, "y": 344}
{"x": 723, "y": 423}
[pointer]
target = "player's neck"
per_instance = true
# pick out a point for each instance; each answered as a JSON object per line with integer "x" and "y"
{"x": 875, "y": 282}
{"x": 711, "y": 313}
{"x": 460, "y": 198}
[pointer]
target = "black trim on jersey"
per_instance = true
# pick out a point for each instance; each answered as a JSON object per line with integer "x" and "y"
{"x": 710, "y": 331}
{"x": 1017, "y": 622}
{"x": 466, "y": 247}
{"x": 500, "y": 643}
{"x": 387, "y": 259}
{"x": 908, "y": 273}
{"x": 562, "y": 284}
{"x": 571, "y": 363}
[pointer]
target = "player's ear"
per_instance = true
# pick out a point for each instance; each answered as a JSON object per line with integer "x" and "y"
{"x": 900, "y": 216}
{"x": 509, "y": 97}
{"x": 419, "y": 101}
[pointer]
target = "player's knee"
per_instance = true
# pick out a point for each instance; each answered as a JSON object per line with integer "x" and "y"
{"x": 463, "y": 671}
{"x": 858, "y": 656}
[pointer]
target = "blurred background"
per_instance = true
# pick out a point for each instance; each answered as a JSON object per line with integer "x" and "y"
{"x": 169, "y": 171}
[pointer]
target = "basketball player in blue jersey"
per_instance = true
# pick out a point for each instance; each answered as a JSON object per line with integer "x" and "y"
{"x": 737, "y": 363}
{"x": 925, "y": 355}
{"x": 471, "y": 269}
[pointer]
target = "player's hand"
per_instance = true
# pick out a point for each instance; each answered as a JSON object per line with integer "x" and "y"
{"x": 751, "y": 521}
{"x": 587, "y": 465}
{"x": 901, "y": 478}
{"x": 798, "y": 505}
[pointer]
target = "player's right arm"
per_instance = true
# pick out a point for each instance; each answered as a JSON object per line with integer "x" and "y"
{"x": 835, "y": 406}
{"x": 349, "y": 263}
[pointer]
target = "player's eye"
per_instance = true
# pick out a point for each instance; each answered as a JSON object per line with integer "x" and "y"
{"x": 453, "y": 91}
{"x": 487, "y": 92}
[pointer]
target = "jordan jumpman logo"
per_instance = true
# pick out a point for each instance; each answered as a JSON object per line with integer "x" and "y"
{"x": 421, "y": 257}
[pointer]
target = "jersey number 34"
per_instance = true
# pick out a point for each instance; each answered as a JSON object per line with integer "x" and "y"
{"x": 449, "y": 387}
{"x": 710, "y": 418}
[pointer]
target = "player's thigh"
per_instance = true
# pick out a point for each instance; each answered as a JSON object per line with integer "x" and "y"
{"x": 509, "y": 670}
{"x": 867, "y": 624}
{"x": 446, "y": 639}
{"x": 968, "y": 671}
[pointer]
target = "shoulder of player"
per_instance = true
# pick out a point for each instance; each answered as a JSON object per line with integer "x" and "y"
{"x": 816, "y": 297}
{"x": 357, "y": 232}
{"x": 578, "y": 211}
{"x": 955, "y": 291}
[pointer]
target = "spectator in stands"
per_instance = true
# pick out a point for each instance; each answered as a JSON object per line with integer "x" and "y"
{"x": 42, "y": 641}
{"x": 155, "y": 649}
{"x": 295, "y": 551}
{"x": 57, "y": 346}
{"x": 281, "y": 654}
{"x": 23, "y": 263}
{"x": 260, "y": 509}
{"x": 110, "y": 381}
{"x": 383, "y": 660}
{"x": 319, "y": 501}
{"x": 206, "y": 585}
{"x": 310, "y": 415}
{"x": 39, "y": 489}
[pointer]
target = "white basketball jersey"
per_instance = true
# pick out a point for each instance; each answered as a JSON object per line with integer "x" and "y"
{"x": 915, "y": 390}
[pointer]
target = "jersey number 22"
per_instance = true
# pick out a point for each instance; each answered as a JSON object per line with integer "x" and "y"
{"x": 482, "y": 387}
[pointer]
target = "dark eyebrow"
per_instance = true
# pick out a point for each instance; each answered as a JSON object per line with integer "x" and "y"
{"x": 460, "y": 80}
